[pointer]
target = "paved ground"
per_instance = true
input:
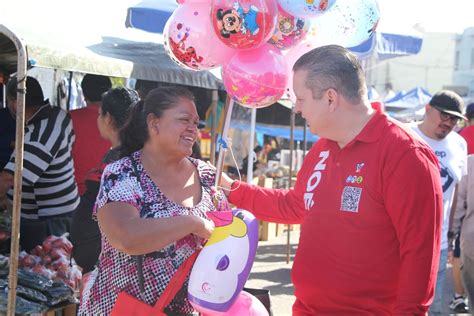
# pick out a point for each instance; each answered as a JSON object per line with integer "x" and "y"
{"x": 270, "y": 271}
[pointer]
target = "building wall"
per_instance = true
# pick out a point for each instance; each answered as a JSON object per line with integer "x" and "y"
{"x": 431, "y": 69}
{"x": 463, "y": 75}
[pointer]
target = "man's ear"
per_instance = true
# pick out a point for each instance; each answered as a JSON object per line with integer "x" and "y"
{"x": 332, "y": 98}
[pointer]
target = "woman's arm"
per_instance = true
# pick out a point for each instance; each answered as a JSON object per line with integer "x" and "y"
{"x": 127, "y": 232}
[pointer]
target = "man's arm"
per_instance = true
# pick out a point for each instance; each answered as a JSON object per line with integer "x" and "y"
{"x": 414, "y": 199}
{"x": 460, "y": 211}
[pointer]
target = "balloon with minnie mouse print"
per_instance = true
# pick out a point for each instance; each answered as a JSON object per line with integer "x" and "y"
{"x": 244, "y": 24}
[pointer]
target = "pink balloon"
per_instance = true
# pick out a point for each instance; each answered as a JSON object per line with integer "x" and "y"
{"x": 256, "y": 78}
{"x": 244, "y": 24}
{"x": 245, "y": 304}
{"x": 189, "y": 42}
{"x": 291, "y": 57}
{"x": 289, "y": 30}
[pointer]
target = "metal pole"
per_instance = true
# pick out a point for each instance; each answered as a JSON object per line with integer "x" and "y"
{"x": 215, "y": 100}
{"x": 251, "y": 145}
{"x": 20, "y": 134}
{"x": 229, "y": 104}
{"x": 290, "y": 176}
{"x": 68, "y": 105}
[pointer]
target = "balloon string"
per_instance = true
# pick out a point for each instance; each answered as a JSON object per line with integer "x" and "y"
{"x": 228, "y": 145}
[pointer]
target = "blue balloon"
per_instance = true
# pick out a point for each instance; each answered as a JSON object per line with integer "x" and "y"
{"x": 306, "y": 8}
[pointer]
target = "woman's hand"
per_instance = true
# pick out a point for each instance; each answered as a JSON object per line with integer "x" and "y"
{"x": 203, "y": 227}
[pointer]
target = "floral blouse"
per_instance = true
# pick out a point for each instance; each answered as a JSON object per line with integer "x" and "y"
{"x": 117, "y": 271}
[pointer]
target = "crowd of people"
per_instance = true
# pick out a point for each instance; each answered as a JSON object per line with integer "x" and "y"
{"x": 381, "y": 203}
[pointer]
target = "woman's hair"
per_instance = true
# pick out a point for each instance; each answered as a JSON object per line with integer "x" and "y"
{"x": 135, "y": 132}
{"x": 118, "y": 102}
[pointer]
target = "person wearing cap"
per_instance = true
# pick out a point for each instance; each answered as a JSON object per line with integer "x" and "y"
{"x": 368, "y": 196}
{"x": 442, "y": 114}
{"x": 90, "y": 147}
{"x": 49, "y": 191}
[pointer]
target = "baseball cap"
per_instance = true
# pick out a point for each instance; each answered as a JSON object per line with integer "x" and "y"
{"x": 469, "y": 110}
{"x": 448, "y": 102}
{"x": 34, "y": 94}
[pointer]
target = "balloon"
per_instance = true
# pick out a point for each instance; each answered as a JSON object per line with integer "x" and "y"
{"x": 244, "y": 24}
{"x": 256, "y": 78}
{"x": 245, "y": 305}
{"x": 291, "y": 56}
{"x": 189, "y": 42}
{"x": 224, "y": 264}
{"x": 349, "y": 23}
{"x": 289, "y": 30}
{"x": 306, "y": 8}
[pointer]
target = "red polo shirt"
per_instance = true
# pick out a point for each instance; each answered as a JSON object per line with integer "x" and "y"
{"x": 89, "y": 147}
{"x": 371, "y": 220}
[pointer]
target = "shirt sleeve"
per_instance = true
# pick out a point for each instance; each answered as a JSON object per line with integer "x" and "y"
{"x": 274, "y": 205}
{"x": 36, "y": 160}
{"x": 414, "y": 200}
{"x": 118, "y": 184}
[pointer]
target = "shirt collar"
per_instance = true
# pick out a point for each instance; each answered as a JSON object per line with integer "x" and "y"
{"x": 373, "y": 130}
{"x": 42, "y": 113}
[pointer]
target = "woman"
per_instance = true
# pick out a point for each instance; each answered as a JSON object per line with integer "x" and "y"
{"x": 152, "y": 203}
{"x": 85, "y": 234}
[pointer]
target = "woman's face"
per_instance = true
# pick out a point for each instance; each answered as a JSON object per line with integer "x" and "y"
{"x": 176, "y": 129}
{"x": 103, "y": 123}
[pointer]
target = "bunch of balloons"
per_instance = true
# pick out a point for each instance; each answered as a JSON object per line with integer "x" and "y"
{"x": 251, "y": 39}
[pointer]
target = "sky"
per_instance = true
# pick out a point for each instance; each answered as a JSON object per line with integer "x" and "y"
{"x": 433, "y": 15}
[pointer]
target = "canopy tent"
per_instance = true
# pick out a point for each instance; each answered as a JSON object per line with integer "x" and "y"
{"x": 408, "y": 106}
{"x": 389, "y": 45}
{"x": 100, "y": 43}
{"x": 413, "y": 100}
{"x": 150, "y": 15}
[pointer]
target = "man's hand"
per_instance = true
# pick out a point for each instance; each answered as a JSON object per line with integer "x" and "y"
{"x": 226, "y": 183}
{"x": 6, "y": 182}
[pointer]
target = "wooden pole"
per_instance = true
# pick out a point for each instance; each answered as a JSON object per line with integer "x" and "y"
{"x": 17, "y": 183}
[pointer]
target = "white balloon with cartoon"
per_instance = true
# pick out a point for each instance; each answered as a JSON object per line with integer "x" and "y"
{"x": 224, "y": 264}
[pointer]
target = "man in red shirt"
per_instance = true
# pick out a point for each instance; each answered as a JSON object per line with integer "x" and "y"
{"x": 90, "y": 147}
{"x": 368, "y": 196}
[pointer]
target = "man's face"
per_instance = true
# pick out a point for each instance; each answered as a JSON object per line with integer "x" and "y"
{"x": 440, "y": 123}
{"x": 315, "y": 111}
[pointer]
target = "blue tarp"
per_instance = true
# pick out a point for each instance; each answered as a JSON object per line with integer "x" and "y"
{"x": 388, "y": 45}
{"x": 276, "y": 131}
{"x": 413, "y": 99}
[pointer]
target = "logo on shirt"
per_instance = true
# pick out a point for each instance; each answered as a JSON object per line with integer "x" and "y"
{"x": 355, "y": 179}
{"x": 314, "y": 180}
{"x": 359, "y": 167}
{"x": 446, "y": 177}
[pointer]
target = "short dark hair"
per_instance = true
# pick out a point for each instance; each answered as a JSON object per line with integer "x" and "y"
{"x": 135, "y": 132}
{"x": 334, "y": 67}
{"x": 118, "y": 102}
{"x": 93, "y": 86}
{"x": 34, "y": 94}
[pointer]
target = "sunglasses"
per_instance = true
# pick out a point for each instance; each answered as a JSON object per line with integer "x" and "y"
{"x": 445, "y": 116}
